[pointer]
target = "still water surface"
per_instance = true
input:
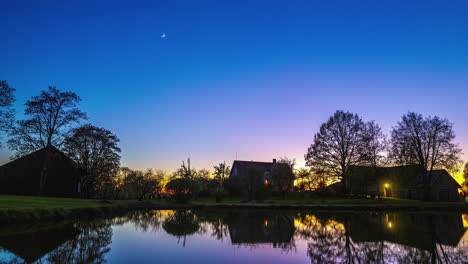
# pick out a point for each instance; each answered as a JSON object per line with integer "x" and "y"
{"x": 242, "y": 236}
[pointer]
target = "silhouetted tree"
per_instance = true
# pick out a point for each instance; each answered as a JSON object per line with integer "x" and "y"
{"x": 338, "y": 145}
{"x": 465, "y": 176}
{"x": 376, "y": 144}
{"x": 182, "y": 189}
{"x": 376, "y": 147}
{"x": 185, "y": 171}
{"x": 51, "y": 116}
{"x": 7, "y": 98}
{"x": 309, "y": 180}
{"x": 282, "y": 175}
{"x": 95, "y": 150}
{"x": 142, "y": 184}
{"x": 426, "y": 142}
{"x": 221, "y": 172}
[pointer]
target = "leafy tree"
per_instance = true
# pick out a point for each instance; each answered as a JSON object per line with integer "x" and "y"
{"x": 142, "y": 184}
{"x": 426, "y": 142}
{"x": 6, "y": 110}
{"x": 95, "y": 150}
{"x": 182, "y": 189}
{"x": 338, "y": 146}
{"x": 221, "y": 173}
{"x": 51, "y": 116}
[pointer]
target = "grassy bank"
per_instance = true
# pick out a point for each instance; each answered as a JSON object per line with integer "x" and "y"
{"x": 30, "y": 208}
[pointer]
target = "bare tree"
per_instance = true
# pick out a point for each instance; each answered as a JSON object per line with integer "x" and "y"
{"x": 338, "y": 145}
{"x": 465, "y": 176}
{"x": 6, "y": 110}
{"x": 51, "y": 115}
{"x": 426, "y": 142}
{"x": 95, "y": 150}
{"x": 221, "y": 172}
{"x": 376, "y": 144}
{"x": 186, "y": 171}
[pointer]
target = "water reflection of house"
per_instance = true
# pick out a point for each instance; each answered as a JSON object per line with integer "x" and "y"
{"x": 403, "y": 182}
{"x": 247, "y": 227}
{"x": 33, "y": 242}
{"x": 423, "y": 231}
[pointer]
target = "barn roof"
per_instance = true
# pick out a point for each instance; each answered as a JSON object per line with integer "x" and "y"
{"x": 264, "y": 165}
{"x": 40, "y": 154}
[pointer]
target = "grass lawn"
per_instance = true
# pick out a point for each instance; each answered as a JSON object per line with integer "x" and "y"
{"x": 13, "y": 202}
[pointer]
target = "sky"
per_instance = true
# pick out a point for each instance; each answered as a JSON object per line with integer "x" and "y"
{"x": 252, "y": 80}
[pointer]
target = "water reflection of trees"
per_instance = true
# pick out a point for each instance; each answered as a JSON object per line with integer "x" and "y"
{"x": 330, "y": 237}
{"x": 382, "y": 238}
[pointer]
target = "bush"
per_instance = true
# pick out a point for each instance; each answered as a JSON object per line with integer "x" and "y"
{"x": 182, "y": 190}
{"x": 218, "y": 193}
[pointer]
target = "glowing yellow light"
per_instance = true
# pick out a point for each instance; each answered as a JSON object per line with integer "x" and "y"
{"x": 390, "y": 224}
{"x": 266, "y": 223}
{"x": 266, "y": 182}
{"x": 387, "y": 185}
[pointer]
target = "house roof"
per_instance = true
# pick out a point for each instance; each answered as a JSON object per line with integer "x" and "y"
{"x": 41, "y": 153}
{"x": 264, "y": 165}
{"x": 436, "y": 175}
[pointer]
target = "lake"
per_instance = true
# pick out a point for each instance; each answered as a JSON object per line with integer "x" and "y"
{"x": 242, "y": 236}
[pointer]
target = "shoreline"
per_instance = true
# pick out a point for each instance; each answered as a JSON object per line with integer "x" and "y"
{"x": 108, "y": 208}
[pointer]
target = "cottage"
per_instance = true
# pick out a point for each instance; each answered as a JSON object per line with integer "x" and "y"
{"x": 240, "y": 170}
{"x": 46, "y": 172}
{"x": 403, "y": 182}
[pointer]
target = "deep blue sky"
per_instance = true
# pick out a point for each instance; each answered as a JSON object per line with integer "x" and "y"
{"x": 237, "y": 77}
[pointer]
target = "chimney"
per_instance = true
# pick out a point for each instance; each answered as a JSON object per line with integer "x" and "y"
{"x": 274, "y": 161}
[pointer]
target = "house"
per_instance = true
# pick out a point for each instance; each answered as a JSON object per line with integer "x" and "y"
{"x": 240, "y": 171}
{"x": 403, "y": 182}
{"x": 46, "y": 172}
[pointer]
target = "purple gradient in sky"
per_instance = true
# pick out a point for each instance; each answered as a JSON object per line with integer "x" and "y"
{"x": 252, "y": 79}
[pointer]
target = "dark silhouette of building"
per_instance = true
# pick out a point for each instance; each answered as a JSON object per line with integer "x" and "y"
{"x": 46, "y": 172}
{"x": 32, "y": 242}
{"x": 240, "y": 170}
{"x": 403, "y": 182}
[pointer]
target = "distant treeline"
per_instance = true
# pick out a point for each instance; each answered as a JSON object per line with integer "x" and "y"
{"x": 54, "y": 118}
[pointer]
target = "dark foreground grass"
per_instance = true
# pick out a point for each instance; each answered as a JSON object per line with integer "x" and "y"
{"x": 31, "y": 208}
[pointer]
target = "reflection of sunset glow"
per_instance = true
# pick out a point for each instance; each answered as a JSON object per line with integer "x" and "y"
{"x": 308, "y": 221}
{"x": 465, "y": 220}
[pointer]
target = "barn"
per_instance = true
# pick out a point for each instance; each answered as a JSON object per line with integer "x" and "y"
{"x": 46, "y": 172}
